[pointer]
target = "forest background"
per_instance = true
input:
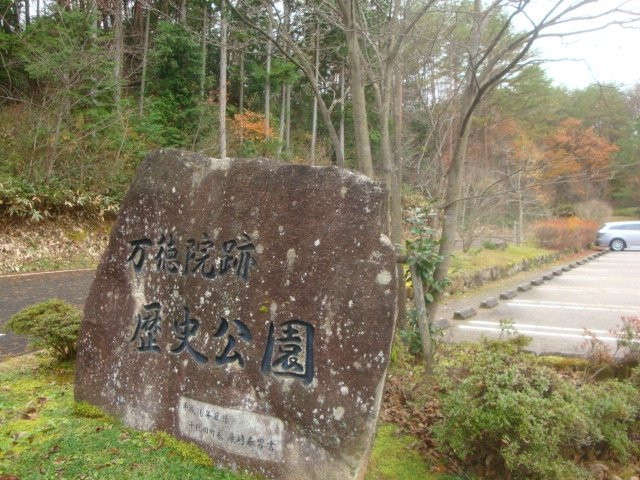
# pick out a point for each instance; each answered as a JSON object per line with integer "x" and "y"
{"x": 444, "y": 101}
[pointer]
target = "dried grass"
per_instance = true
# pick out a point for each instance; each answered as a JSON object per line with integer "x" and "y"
{"x": 51, "y": 245}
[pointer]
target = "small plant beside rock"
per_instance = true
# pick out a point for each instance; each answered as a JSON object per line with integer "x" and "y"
{"x": 52, "y": 324}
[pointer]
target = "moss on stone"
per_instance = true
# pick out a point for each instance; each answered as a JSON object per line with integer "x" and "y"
{"x": 87, "y": 410}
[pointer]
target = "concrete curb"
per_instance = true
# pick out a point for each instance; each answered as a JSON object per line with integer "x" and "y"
{"x": 464, "y": 313}
{"x": 489, "y": 302}
{"x": 508, "y": 295}
{"x": 443, "y": 323}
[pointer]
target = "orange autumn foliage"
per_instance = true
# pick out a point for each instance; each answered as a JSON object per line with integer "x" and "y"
{"x": 564, "y": 233}
{"x": 251, "y": 125}
{"x": 579, "y": 154}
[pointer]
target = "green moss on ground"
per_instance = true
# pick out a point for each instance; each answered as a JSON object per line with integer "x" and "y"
{"x": 395, "y": 457}
{"x": 45, "y": 434}
{"x": 478, "y": 259}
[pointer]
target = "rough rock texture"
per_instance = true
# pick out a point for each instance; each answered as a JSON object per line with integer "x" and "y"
{"x": 247, "y": 306}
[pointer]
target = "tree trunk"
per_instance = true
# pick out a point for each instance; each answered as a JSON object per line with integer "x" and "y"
{"x": 452, "y": 207}
{"x": 396, "y": 203}
{"x": 283, "y": 102}
{"x": 27, "y": 13}
{"x": 118, "y": 37}
{"x": 93, "y": 16}
{"x": 183, "y": 12}
{"x": 37, "y": 9}
{"x": 520, "y": 231}
{"x": 287, "y": 129}
{"x": 383, "y": 99}
{"x": 16, "y": 16}
{"x": 398, "y": 124}
{"x": 53, "y": 152}
{"x": 241, "y": 94}
{"x": 223, "y": 82}
{"x": 423, "y": 320}
{"x": 340, "y": 158}
{"x": 203, "y": 49}
{"x": 145, "y": 50}
{"x": 314, "y": 117}
{"x": 356, "y": 81}
{"x": 267, "y": 80}
{"x": 64, "y": 110}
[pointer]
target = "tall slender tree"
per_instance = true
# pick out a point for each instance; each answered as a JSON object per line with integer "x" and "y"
{"x": 223, "y": 81}
{"x": 145, "y": 52}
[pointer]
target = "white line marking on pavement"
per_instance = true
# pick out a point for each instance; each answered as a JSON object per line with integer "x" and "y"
{"x": 1, "y": 334}
{"x": 573, "y": 306}
{"x": 33, "y": 274}
{"x": 589, "y": 276}
{"x": 589, "y": 289}
{"x": 535, "y": 327}
{"x": 535, "y": 333}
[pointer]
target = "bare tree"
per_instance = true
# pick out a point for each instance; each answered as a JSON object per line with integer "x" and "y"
{"x": 494, "y": 50}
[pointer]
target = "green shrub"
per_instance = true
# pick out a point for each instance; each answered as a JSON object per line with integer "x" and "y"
{"x": 490, "y": 245}
{"x": 37, "y": 201}
{"x": 53, "y": 324}
{"x": 627, "y": 212}
{"x": 503, "y": 410}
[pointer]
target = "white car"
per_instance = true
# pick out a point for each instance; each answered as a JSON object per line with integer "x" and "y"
{"x": 619, "y": 235}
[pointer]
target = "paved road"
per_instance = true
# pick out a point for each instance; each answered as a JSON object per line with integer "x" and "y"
{"x": 19, "y": 291}
{"x": 593, "y": 296}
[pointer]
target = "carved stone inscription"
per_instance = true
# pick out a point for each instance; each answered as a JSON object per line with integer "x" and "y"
{"x": 235, "y": 431}
{"x": 247, "y": 306}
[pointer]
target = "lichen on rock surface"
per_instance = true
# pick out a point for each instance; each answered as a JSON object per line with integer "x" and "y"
{"x": 232, "y": 307}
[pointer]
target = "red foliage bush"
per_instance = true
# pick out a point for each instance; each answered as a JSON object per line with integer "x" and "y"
{"x": 565, "y": 233}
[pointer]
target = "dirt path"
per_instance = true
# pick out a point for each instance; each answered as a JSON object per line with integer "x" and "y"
{"x": 20, "y": 291}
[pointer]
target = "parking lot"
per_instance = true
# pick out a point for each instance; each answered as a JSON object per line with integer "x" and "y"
{"x": 591, "y": 297}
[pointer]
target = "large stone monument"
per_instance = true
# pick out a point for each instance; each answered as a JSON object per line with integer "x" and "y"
{"x": 247, "y": 306}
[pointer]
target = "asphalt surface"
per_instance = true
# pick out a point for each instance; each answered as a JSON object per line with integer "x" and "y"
{"x": 556, "y": 315}
{"x": 592, "y": 297}
{"x": 21, "y": 290}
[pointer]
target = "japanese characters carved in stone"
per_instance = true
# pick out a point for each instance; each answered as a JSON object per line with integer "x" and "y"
{"x": 247, "y": 306}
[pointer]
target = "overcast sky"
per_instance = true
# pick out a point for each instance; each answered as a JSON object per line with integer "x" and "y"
{"x": 611, "y": 55}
